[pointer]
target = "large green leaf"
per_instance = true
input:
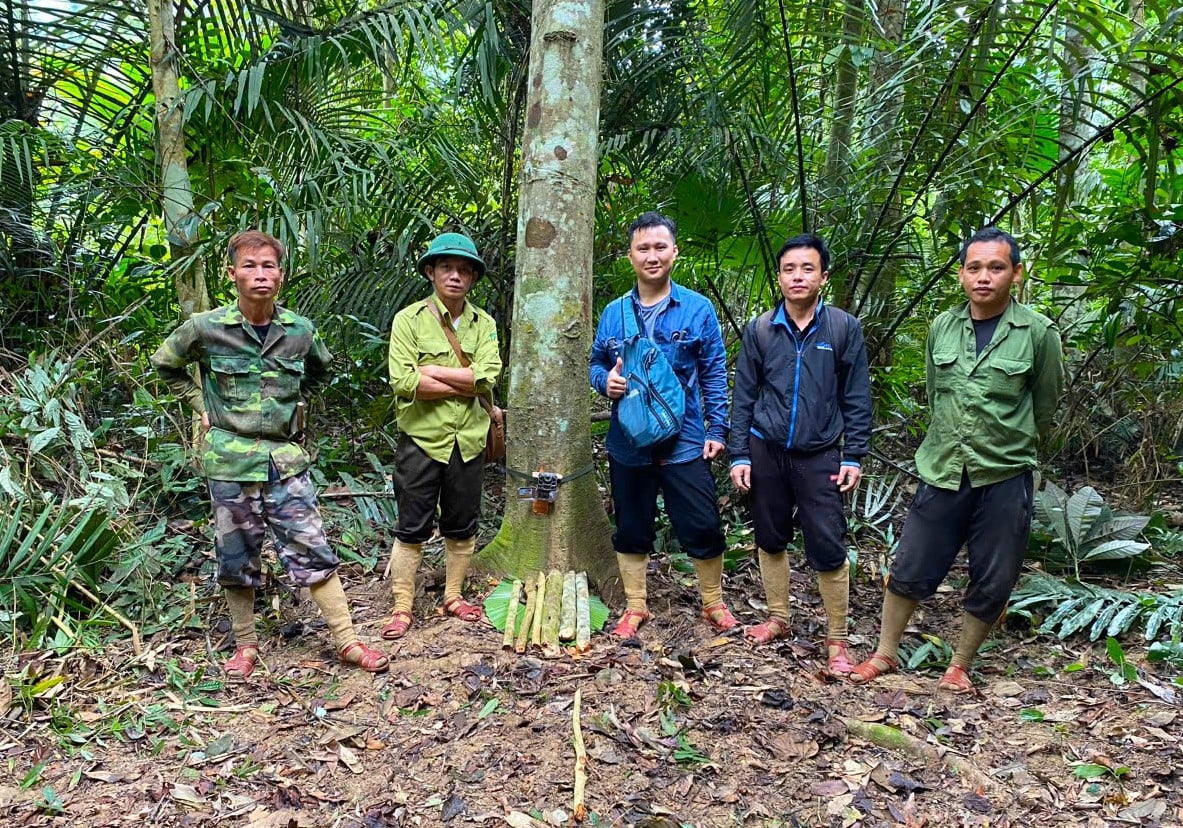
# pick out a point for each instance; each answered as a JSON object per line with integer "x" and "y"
{"x": 1082, "y": 511}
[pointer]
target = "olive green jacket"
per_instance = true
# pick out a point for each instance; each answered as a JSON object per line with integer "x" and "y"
{"x": 249, "y": 389}
{"x": 988, "y": 411}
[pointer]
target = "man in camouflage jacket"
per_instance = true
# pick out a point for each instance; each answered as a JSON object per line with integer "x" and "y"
{"x": 256, "y": 362}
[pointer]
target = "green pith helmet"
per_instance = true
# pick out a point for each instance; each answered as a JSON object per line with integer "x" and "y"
{"x": 451, "y": 244}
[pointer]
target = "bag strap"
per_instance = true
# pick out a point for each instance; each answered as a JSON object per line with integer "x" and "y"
{"x": 465, "y": 362}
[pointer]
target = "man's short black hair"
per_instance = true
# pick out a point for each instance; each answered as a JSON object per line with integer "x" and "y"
{"x": 653, "y": 219}
{"x": 812, "y": 240}
{"x": 993, "y": 234}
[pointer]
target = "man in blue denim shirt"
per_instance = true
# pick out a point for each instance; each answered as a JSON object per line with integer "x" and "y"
{"x": 684, "y": 325}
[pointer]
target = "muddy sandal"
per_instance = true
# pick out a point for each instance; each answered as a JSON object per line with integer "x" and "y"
{"x": 874, "y": 667}
{"x": 463, "y": 609}
{"x": 771, "y": 630}
{"x": 367, "y": 658}
{"x": 956, "y": 680}
{"x": 397, "y": 626}
{"x": 240, "y": 665}
{"x": 838, "y": 663}
{"x": 719, "y": 617}
{"x": 630, "y": 622}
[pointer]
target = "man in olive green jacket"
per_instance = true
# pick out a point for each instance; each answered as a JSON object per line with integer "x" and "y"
{"x": 440, "y": 455}
{"x": 995, "y": 374}
{"x": 257, "y": 362}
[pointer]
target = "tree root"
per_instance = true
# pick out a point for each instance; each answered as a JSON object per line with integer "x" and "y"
{"x": 896, "y": 740}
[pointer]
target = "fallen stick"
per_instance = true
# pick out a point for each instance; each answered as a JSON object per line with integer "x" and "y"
{"x": 892, "y": 738}
{"x": 567, "y": 609}
{"x": 583, "y": 613}
{"x": 523, "y": 636}
{"x": 554, "y": 607}
{"x": 539, "y": 611}
{"x": 511, "y": 615}
{"x": 579, "y": 807}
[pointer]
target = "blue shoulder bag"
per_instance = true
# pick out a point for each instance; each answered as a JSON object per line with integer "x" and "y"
{"x": 654, "y": 404}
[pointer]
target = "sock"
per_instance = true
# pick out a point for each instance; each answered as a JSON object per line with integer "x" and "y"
{"x": 896, "y": 612}
{"x": 973, "y": 632}
{"x": 330, "y": 597}
{"x": 458, "y": 555}
{"x": 835, "y": 589}
{"x": 774, "y": 572}
{"x": 241, "y": 605}
{"x": 633, "y": 574}
{"x": 710, "y": 580}
{"x": 403, "y": 567}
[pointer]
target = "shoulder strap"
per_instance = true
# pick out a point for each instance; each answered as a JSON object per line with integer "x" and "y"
{"x": 763, "y": 328}
{"x": 465, "y": 362}
{"x": 839, "y": 330}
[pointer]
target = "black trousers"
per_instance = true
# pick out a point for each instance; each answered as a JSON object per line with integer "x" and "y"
{"x": 783, "y": 480}
{"x": 421, "y": 483}
{"x": 689, "y": 491}
{"x": 992, "y": 521}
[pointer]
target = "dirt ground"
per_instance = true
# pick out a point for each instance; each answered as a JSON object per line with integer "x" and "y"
{"x": 687, "y": 728}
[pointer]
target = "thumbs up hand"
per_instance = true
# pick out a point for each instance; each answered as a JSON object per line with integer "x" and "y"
{"x": 617, "y": 384}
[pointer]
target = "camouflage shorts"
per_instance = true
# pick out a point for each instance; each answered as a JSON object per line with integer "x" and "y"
{"x": 242, "y": 513}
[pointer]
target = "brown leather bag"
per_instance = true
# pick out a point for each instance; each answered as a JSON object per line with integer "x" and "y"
{"x": 495, "y": 439}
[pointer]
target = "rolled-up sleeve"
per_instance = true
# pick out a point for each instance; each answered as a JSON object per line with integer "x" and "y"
{"x": 486, "y": 362}
{"x": 403, "y": 359}
{"x": 172, "y": 360}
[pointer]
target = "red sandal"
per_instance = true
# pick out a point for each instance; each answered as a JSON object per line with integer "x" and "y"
{"x": 719, "y": 617}
{"x": 874, "y": 667}
{"x": 463, "y": 610}
{"x": 630, "y": 622}
{"x": 397, "y": 626}
{"x": 839, "y": 664}
{"x": 240, "y": 665}
{"x": 956, "y": 680}
{"x": 766, "y": 633}
{"x": 367, "y": 658}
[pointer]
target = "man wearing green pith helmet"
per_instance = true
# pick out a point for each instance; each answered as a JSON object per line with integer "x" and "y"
{"x": 442, "y": 425}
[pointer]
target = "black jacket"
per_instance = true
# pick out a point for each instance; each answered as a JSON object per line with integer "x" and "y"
{"x": 806, "y": 391}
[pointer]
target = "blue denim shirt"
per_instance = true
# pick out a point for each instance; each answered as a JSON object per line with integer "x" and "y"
{"x": 688, "y": 333}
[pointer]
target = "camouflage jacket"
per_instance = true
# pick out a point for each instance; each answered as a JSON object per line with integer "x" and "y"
{"x": 249, "y": 389}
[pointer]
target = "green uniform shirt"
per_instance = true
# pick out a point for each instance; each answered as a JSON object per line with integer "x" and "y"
{"x": 248, "y": 388}
{"x": 416, "y": 338}
{"x": 988, "y": 411}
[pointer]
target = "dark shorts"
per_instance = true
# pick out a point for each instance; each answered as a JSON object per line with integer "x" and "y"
{"x": 992, "y": 521}
{"x": 689, "y": 493}
{"x": 786, "y": 480}
{"x": 242, "y": 514}
{"x": 421, "y": 484}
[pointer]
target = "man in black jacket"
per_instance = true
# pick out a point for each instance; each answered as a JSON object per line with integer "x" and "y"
{"x": 800, "y": 426}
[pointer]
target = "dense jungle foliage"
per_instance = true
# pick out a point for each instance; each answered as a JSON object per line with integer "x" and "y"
{"x": 355, "y": 130}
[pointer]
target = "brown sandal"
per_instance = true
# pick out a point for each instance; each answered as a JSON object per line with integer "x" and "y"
{"x": 771, "y": 630}
{"x": 719, "y": 617}
{"x": 240, "y": 665}
{"x": 630, "y": 622}
{"x": 397, "y": 626}
{"x": 956, "y": 680}
{"x": 463, "y": 610}
{"x": 874, "y": 667}
{"x": 839, "y": 664}
{"x": 367, "y": 658}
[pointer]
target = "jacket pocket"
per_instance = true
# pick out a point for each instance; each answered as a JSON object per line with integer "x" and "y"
{"x": 945, "y": 375}
{"x": 235, "y": 377}
{"x": 289, "y": 376}
{"x": 1008, "y": 378}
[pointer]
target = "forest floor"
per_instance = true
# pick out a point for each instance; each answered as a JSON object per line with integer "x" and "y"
{"x": 685, "y": 728}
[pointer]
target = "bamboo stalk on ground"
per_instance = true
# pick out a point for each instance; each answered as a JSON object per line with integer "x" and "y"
{"x": 583, "y": 613}
{"x": 539, "y": 611}
{"x": 511, "y": 615}
{"x": 579, "y": 807}
{"x": 567, "y": 609}
{"x": 554, "y": 606}
{"x": 523, "y": 636}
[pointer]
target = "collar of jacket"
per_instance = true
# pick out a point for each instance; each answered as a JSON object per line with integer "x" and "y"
{"x": 781, "y": 316}
{"x": 675, "y": 294}
{"x": 232, "y": 315}
{"x": 1011, "y": 315}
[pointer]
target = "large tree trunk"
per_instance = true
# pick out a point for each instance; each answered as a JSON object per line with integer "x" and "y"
{"x": 552, "y": 313}
{"x": 176, "y": 188}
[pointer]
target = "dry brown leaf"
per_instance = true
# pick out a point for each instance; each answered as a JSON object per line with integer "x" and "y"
{"x": 1007, "y": 689}
{"x": 517, "y": 819}
{"x": 829, "y": 787}
{"x": 5, "y": 697}
{"x": 188, "y": 795}
{"x": 341, "y": 703}
{"x": 349, "y": 758}
{"x": 283, "y": 818}
{"x": 794, "y": 749}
